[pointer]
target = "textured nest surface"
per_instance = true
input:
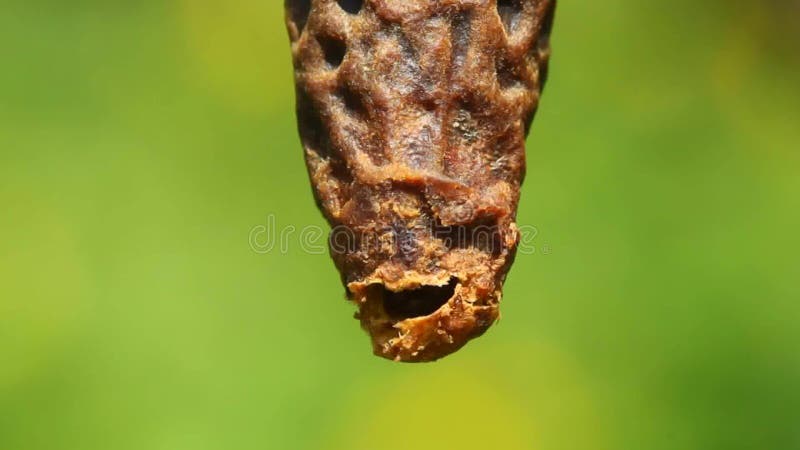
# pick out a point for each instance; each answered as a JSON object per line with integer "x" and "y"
{"x": 413, "y": 116}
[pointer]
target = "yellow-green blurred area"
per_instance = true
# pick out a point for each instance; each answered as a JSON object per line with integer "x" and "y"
{"x": 142, "y": 141}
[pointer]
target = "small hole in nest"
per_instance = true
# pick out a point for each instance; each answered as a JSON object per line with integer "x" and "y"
{"x": 351, "y": 6}
{"x": 334, "y": 51}
{"x": 418, "y": 302}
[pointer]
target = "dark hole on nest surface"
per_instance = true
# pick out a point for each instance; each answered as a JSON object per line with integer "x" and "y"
{"x": 353, "y": 102}
{"x": 333, "y": 50}
{"x": 417, "y": 302}
{"x": 351, "y": 6}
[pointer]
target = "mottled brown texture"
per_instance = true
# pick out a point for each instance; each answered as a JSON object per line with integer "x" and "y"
{"x": 413, "y": 115}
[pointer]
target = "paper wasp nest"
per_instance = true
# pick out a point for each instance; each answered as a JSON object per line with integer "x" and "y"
{"x": 413, "y": 115}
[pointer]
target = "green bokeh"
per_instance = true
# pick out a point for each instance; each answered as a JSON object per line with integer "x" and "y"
{"x": 142, "y": 141}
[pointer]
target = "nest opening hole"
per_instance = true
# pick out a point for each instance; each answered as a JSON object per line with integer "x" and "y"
{"x": 334, "y": 51}
{"x": 351, "y": 6}
{"x": 419, "y": 302}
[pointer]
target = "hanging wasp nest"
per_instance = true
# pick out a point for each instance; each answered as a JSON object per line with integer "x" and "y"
{"x": 413, "y": 116}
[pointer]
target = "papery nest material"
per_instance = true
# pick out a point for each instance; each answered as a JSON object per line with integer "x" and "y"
{"x": 413, "y": 115}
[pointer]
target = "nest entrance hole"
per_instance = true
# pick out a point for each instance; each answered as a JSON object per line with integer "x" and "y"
{"x": 419, "y": 302}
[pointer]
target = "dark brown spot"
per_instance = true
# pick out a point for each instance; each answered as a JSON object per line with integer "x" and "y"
{"x": 547, "y": 26}
{"x": 298, "y": 12}
{"x": 506, "y": 74}
{"x": 509, "y": 12}
{"x": 406, "y": 245}
{"x": 353, "y": 103}
{"x": 312, "y": 130}
{"x": 460, "y": 35}
{"x": 543, "y": 42}
{"x": 482, "y": 234}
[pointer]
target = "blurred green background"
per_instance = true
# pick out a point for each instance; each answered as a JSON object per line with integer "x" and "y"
{"x": 142, "y": 141}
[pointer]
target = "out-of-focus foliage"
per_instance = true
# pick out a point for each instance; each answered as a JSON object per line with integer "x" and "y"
{"x": 141, "y": 142}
